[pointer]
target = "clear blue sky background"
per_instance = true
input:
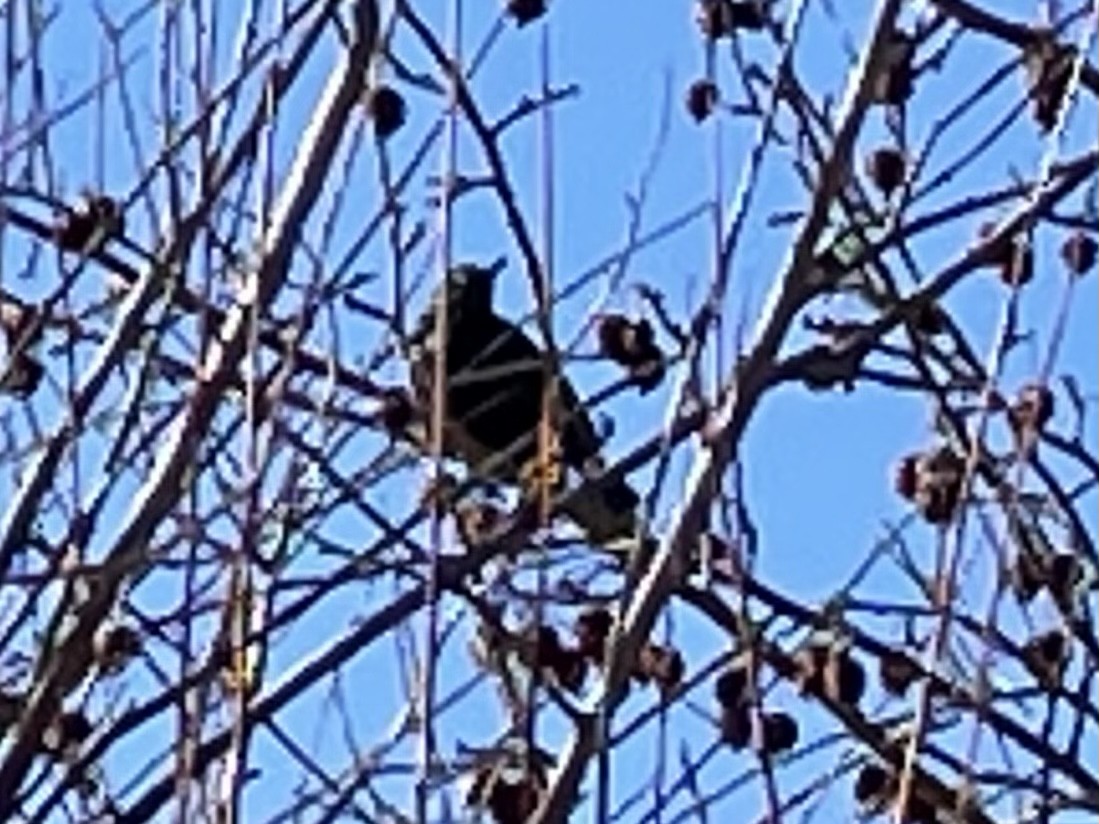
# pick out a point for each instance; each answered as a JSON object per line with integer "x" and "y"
{"x": 817, "y": 466}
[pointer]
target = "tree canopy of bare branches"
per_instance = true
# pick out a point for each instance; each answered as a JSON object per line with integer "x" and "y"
{"x": 548, "y": 411}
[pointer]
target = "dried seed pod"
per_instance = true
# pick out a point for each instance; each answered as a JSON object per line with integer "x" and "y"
{"x": 570, "y": 668}
{"x": 116, "y": 646}
{"x": 510, "y": 801}
{"x": 893, "y": 83}
{"x": 1019, "y": 268}
{"x": 1063, "y": 574}
{"x": 526, "y": 11}
{"x": 701, "y": 99}
{"x": 844, "y": 678}
{"x": 21, "y": 375}
{"x": 897, "y": 672}
{"x": 930, "y": 319}
{"x": 736, "y": 726}
{"x": 592, "y": 629}
{"x": 477, "y": 521}
{"x": 1013, "y": 256}
{"x": 939, "y": 476}
{"x": 396, "y": 410}
{"x": 905, "y": 475}
{"x": 65, "y": 734}
{"x": 1049, "y": 69}
{"x": 779, "y": 733}
{"x": 88, "y": 225}
{"x": 1032, "y": 409}
{"x": 662, "y": 665}
{"x": 1079, "y": 252}
{"x": 545, "y": 651}
{"x": 514, "y": 802}
{"x": 714, "y": 18}
{"x": 387, "y": 109}
{"x": 811, "y": 662}
{"x": 1046, "y": 657}
{"x": 886, "y": 167}
{"x": 874, "y": 786}
{"x": 720, "y": 18}
{"x": 11, "y": 706}
{"x": 1028, "y": 575}
{"x": 621, "y": 340}
{"x": 631, "y": 344}
{"x": 16, "y": 322}
{"x": 920, "y": 811}
{"x": 731, "y": 687}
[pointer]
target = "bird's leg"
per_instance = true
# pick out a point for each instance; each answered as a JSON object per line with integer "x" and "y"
{"x": 543, "y": 472}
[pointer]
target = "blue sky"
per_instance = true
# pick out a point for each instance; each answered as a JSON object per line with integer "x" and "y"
{"x": 817, "y": 466}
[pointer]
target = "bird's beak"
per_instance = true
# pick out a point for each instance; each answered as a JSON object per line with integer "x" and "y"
{"x": 496, "y": 267}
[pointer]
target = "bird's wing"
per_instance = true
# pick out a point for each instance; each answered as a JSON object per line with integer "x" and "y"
{"x": 494, "y": 405}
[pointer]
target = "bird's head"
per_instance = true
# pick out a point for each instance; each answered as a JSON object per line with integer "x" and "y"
{"x": 468, "y": 291}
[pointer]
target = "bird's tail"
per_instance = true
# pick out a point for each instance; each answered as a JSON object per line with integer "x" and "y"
{"x": 607, "y": 512}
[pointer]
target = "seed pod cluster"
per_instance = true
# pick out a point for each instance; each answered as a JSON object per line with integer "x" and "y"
{"x": 1059, "y": 574}
{"x": 829, "y": 670}
{"x": 894, "y": 81}
{"x": 1049, "y": 69}
{"x": 933, "y": 482}
{"x": 778, "y": 730}
{"x": 632, "y": 345}
{"x": 386, "y": 109}
{"x": 88, "y": 225}
{"x": 721, "y": 18}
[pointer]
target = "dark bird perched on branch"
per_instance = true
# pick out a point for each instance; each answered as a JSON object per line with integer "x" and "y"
{"x": 496, "y": 379}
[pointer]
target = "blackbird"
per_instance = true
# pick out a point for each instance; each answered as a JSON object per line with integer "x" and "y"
{"x": 494, "y": 396}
